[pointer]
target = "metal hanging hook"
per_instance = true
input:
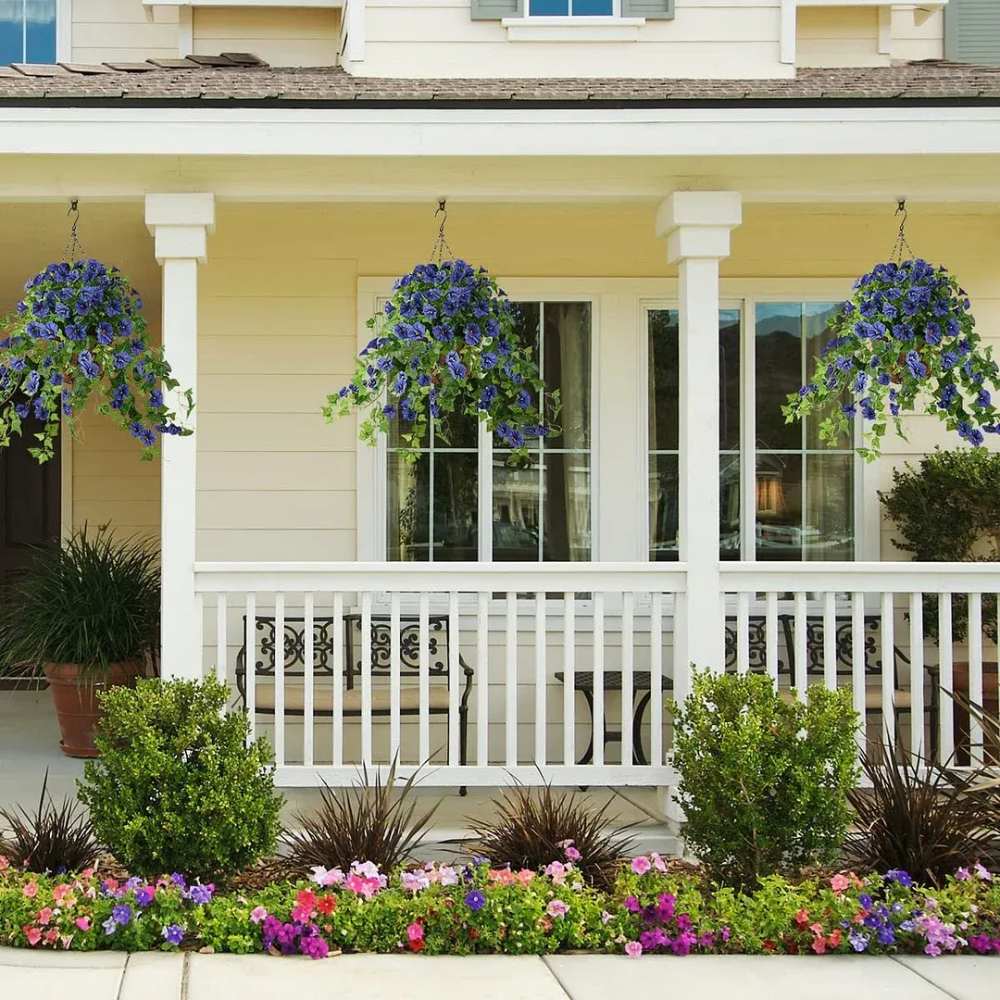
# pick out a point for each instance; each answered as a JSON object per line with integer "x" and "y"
{"x": 901, "y": 244}
{"x": 73, "y": 245}
{"x": 441, "y": 243}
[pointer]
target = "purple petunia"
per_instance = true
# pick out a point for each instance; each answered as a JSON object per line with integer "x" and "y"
{"x": 475, "y": 900}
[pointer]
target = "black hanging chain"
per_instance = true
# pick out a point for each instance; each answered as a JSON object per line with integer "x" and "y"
{"x": 73, "y": 245}
{"x": 441, "y": 246}
{"x": 901, "y": 245}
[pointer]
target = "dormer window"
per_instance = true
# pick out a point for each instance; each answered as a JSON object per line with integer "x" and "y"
{"x": 571, "y": 8}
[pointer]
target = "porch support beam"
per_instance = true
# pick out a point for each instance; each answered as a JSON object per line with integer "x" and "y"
{"x": 696, "y": 225}
{"x": 179, "y": 224}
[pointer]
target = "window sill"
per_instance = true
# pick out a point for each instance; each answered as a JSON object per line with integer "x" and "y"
{"x": 573, "y": 29}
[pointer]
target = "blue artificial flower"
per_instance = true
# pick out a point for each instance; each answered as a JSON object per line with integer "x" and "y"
{"x": 105, "y": 333}
{"x": 389, "y": 411}
{"x": 173, "y": 934}
{"x": 867, "y": 410}
{"x": 156, "y": 398}
{"x": 472, "y": 335}
{"x": 401, "y": 384}
{"x": 932, "y": 334}
{"x": 32, "y": 383}
{"x": 915, "y": 365}
{"x": 883, "y": 378}
{"x": 524, "y": 399}
{"x": 861, "y": 382}
{"x": 406, "y": 410}
{"x": 455, "y": 366}
{"x": 88, "y": 366}
{"x": 949, "y": 393}
{"x": 490, "y": 393}
{"x": 984, "y": 399}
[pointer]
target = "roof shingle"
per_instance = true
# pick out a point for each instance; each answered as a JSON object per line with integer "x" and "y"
{"x": 241, "y": 77}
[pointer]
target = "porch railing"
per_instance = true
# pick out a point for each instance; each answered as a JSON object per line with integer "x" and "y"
{"x": 514, "y": 647}
{"x": 903, "y": 636}
{"x": 564, "y": 672}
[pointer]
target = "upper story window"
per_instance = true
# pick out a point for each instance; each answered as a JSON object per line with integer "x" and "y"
{"x": 27, "y": 31}
{"x": 571, "y": 8}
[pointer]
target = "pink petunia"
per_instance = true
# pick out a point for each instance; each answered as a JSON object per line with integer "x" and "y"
{"x": 839, "y": 883}
{"x": 257, "y": 914}
{"x": 4, "y": 863}
{"x": 83, "y": 923}
{"x": 415, "y": 932}
{"x": 641, "y": 865}
{"x": 557, "y": 908}
{"x": 30, "y": 890}
{"x": 633, "y": 949}
{"x": 33, "y": 934}
{"x": 45, "y": 915}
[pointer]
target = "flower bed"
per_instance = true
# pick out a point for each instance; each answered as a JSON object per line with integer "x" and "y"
{"x": 477, "y": 909}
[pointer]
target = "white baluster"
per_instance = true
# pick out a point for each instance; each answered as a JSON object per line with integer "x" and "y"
{"x": 569, "y": 678}
{"x": 279, "y": 679}
{"x": 366, "y": 677}
{"x": 656, "y": 680}
{"x": 308, "y": 655}
{"x": 628, "y": 669}
{"x": 221, "y": 629}
{"x": 888, "y": 628}
{"x": 742, "y": 633}
{"x": 771, "y": 636}
{"x": 830, "y": 640}
{"x": 598, "y": 679}
{"x": 424, "y": 667}
{"x": 483, "y": 681}
{"x": 976, "y": 674}
{"x": 917, "y": 675}
{"x": 540, "y": 679}
{"x": 510, "y": 682}
{"x": 338, "y": 680}
{"x": 250, "y": 663}
{"x": 454, "y": 649}
{"x": 394, "y": 680}
{"x": 858, "y": 676}
{"x": 946, "y": 681}
{"x": 801, "y": 648}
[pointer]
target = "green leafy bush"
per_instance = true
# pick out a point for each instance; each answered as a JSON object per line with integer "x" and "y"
{"x": 948, "y": 510}
{"x": 177, "y": 788}
{"x": 764, "y": 779}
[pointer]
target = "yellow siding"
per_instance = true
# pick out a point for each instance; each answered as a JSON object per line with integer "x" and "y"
{"x": 917, "y": 41}
{"x": 122, "y": 31}
{"x": 838, "y": 36}
{"x": 281, "y": 36}
{"x": 437, "y": 38}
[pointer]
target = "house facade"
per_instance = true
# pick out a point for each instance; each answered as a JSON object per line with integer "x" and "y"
{"x": 677, "y": 194}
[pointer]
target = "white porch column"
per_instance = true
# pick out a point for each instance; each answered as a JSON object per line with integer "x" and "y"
{"x": 180, "y": 224}
{"x": 697, "y": 225}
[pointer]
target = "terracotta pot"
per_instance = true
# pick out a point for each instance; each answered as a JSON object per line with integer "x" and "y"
{"x": 75, "y": 696}
{"x": 991, "y": 702}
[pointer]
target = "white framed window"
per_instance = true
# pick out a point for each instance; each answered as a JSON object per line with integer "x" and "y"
{"x": 626, "y": 462}
{"x": 29, "y": 31}
{"x": 462, "y": 501}
{"x": 573, "y": 8}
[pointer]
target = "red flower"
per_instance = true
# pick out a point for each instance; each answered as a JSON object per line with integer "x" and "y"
{"x": 326, "y": 903}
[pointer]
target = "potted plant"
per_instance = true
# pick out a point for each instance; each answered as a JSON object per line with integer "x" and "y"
{"x": 948, "y": 510}
{"x": 87, "y": 616}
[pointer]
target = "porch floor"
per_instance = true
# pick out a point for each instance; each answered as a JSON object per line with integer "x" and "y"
{"x": 29, "y": 744}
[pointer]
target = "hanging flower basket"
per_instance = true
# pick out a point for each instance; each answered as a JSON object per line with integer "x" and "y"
{"x": 79, "y": 331}
{"x": 446, "y": 343}
{"x": 905, "y": 340}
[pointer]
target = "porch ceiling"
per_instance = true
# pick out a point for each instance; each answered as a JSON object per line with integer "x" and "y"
{"x": 946, "y": 184}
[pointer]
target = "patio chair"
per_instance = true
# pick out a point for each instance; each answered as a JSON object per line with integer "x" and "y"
{"x": 323, "y": 647}
{"x": 902, "y": 697}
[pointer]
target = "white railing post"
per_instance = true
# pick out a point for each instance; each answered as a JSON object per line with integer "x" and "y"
{"x": 179, "y": 224}
{"x": 697, "y": 225}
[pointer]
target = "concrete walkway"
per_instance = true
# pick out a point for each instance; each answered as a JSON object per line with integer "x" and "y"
{"x": 157, "y": 976}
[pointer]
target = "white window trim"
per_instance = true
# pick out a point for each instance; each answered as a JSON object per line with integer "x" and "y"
{"x": 619, "y": 307}
{"x": 64, "y": 32}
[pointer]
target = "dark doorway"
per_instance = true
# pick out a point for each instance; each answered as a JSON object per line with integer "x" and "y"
{"x": 30, "y": 508}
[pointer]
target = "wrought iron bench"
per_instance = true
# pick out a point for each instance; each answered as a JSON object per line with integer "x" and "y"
{"x": 323, "y": 647}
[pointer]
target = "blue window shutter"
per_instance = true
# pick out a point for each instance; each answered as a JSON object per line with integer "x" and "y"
{"x": 648, "y": 8}
{"x": 972, "y": 31}
{"x": 494, "y": 10}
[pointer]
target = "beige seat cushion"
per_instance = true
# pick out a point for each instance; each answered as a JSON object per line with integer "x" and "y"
{"x": 409, "y": 697}
{"x": 873, "y": 699}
